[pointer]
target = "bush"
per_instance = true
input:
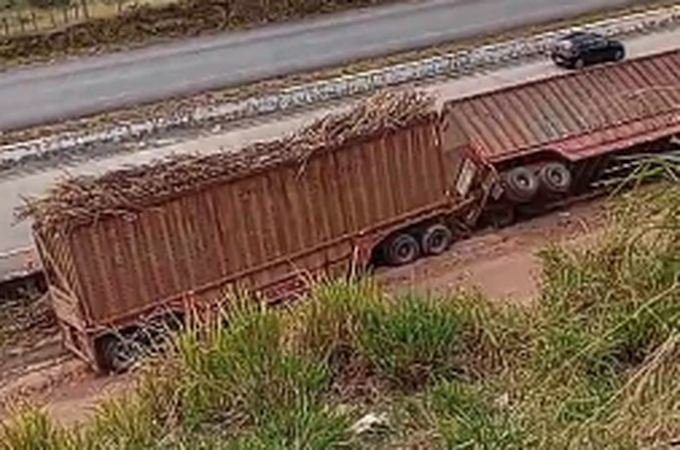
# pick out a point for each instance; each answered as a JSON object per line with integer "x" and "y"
{"x": 31, "y": 429}
{"x": 410, "y": 339}
{"x": 607, "y": 308}
{"x": 327, "y": 322}
{"x": 467, "y": 418}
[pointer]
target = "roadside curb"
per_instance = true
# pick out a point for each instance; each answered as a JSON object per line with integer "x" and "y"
{"x": 451, "y": 65}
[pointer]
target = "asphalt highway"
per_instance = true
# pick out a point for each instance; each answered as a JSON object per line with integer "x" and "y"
{"x": 34, "y": 95}
{"x": 14, "y": 237}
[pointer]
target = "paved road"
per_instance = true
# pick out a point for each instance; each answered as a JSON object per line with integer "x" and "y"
{"x": 34, "y": 95}
{"x": 14, "y": 237}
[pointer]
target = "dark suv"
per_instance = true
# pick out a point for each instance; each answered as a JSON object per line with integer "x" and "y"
{"x": 579, "y": 49}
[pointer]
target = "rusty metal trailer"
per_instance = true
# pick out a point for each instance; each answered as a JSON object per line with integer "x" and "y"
{"x": 554, "y": 137}
{"x": 399, "y": 192}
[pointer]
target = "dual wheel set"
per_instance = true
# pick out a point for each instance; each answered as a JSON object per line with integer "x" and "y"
{"x": 520, "y": 185}
{"x": 523, "y": 184}
{"x": 406, "y": 246}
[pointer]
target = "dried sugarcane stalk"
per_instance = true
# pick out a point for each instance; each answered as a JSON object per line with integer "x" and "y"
{"x": 80, "y": 200}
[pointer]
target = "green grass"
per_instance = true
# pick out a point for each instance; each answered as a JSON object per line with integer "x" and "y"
{"x": 467, "y": 416}
{"x": 410, "y": 340}
{"x": 594, "y": 363}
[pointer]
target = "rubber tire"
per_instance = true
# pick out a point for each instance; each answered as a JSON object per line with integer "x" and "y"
{"x": 520, "y": 184}
{"x": 555, "y": 178}
{"x": 579, "y": 64}
{"x": 619, "y": 55}
{"x": 402, "y": 249}
{"x": 436, "y": 239}
{"x": 111, "y": 348}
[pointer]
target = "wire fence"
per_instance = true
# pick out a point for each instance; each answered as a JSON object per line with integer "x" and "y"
{"x": 31, "y": 16}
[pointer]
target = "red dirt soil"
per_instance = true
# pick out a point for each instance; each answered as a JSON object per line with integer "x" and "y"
{"x": 501, "y": 263}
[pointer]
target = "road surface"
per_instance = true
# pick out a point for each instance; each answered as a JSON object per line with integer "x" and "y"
{"x": 13, "y": 237}
{"x": 34, "y": 95}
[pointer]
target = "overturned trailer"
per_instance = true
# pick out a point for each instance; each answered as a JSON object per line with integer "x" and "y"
{"x": 559, "y": 136}
{"x": 170, "y": 236}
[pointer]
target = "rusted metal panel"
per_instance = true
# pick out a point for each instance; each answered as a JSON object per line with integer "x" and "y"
{"x": 66, "y": 308}
{"x": 578, "y": 114}
{"x": 260, "y": 230}
{"x": 64, "y": 287}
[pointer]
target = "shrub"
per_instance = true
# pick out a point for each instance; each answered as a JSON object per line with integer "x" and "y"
{"x": 32, "y": 429}
{"x": 607, "y": 308}
{"x": 327, "y": 322}
{"x": 466, "y": 417}
{"x": 410, "y": 339}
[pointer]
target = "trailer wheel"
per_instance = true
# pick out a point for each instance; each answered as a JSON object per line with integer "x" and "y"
{"x": 436, "y": 239}
{"x": 555, "y": 177}
{"x": 117, "y": 354}
{"x": 402, "y": 249}
{"x": 520, "y": 184}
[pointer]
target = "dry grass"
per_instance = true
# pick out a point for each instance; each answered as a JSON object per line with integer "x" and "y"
{"x": 29, "y": 20}
{"x": 24, "y": 321}
{"x": 146, "y": 24}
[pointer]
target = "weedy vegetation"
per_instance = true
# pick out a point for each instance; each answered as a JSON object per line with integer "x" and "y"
{"x": 594, "y": 363}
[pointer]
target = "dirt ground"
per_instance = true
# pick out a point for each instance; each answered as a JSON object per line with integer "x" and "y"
{"x": 501, "y": 263}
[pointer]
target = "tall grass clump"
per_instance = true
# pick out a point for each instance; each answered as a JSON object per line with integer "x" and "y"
{"x": 607, "y": 311}
{"x": 410, "y": 339}
{"x": 607, "y": 307}
{"x": 242, "y": 374}
{"x": 32, "y": 429}
{"x": 130, "y": 423}
{"x": 406, "y": 339}
{"x": 326, "y": 325}
{"x": 468, "y": 416}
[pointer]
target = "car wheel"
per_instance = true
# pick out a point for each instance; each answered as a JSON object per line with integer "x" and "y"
{"x": 618, "y": 55}
{"x": 578, "y": 64}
